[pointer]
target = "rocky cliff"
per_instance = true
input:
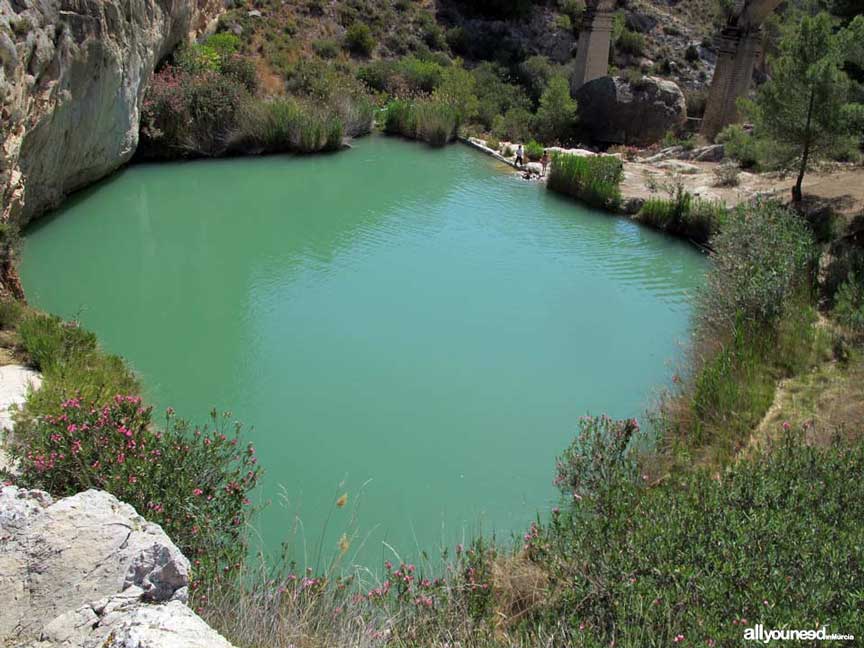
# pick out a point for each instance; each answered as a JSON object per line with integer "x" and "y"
{"x": 88, "y": 572}
{"x": 72, "y": 79}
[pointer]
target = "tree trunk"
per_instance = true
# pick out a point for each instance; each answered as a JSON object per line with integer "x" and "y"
{"x": 805, "y": 155}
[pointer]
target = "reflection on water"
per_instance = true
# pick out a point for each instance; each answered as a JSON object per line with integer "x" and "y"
{"x": 409, "y": 325}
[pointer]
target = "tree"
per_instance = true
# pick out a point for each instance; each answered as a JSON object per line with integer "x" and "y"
{"x": 458, "y": 90}
{"x": 557, "y": 112}
{"x": 804, "y": 107}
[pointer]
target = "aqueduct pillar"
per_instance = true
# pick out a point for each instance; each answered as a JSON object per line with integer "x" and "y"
{"x": 595, "y": 39}
{"x": 737, "y": 53}
{"x": 739, "y": 47}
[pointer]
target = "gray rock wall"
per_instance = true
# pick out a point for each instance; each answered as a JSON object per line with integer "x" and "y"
{"x": 88, "y": 571}
{"x": 72, "y": 80}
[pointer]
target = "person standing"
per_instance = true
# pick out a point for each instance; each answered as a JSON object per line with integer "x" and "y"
{"x": 544, "y": 161}
{"x": 519, "y": 156}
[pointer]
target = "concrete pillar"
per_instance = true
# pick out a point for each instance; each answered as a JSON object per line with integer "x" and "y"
{"x": 592, "y": 53}
{"x": 737, "y": 53}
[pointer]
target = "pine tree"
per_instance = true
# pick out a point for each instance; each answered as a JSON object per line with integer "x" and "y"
{"x": 804, "y": 106}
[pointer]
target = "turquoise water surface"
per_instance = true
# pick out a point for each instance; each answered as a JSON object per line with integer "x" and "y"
{"x": 418, "y": 328}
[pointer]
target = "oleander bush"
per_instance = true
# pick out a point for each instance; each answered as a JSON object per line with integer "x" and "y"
{"x": 192, "y": 482}
{"x": 593, "y": 179}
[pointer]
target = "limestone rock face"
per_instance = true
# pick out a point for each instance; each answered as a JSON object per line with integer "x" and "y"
{"x": 613, "y": 110}
{"x": 85, "y": 569}
{"x": 72, "y": 80}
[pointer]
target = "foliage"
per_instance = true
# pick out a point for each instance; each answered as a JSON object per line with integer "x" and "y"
{"x": 739, "y": 145}
{"x": 457, "y": 90}
{"x": 849, "y": 303}
{"x": 598, "y": 456}
{"x": 762, "y": 255}
{"x": 279, "y": 125}
{"x": 429, "y": 120}
{"x": 630, "y": 42}
{"x": 556, "y": 116}
{"x": 802, "y": 108}
{"x": 533, "y": 150}
{"x": 534, "y": 74}
{"x": 593, "y": 179}
{"x": 684, "y": 215}
{"x": 224, "y": 44}
{"x": 699, "y": 559}
{"x": 726, "y": 175}
{"x": 194, "y": 484}
{"x": 51, "y": 342}
{"x": 196, "y": 58}
{"x": 359, "y": 39}
{"x": 326, "y": 48}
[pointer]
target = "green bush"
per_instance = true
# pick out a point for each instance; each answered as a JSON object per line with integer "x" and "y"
{"x": 849, "y": 303}
{"x": 739, "y": 145}
{"x": 241, "y": 70}
{"x": 326, "y": 48}
{"x": 49, "y": 341}
{"x": 630, "y": 42}
{"x": 280, "y": 125}
{"x": 359, "y": 39}
{"x": 534, "y": 150}
{"x": 11, "y": 312}
{"x": 224, "y": 43}
{"x": 684, "y": 215}
{"x": 192, "y": 483}
{"x": 556, "y": 115}
{"x": 431, "y": 121}
{"x": 762, "y": 255}
{"x": 593, "y": 179}
{"x": 196, "y": 59}
{"x": 700, "y": 558}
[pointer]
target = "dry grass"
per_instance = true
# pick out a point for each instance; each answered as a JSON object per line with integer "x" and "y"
{"x": 519, "y": 588}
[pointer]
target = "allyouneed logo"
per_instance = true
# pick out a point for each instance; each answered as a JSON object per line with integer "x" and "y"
{"x": 759, "y": 633}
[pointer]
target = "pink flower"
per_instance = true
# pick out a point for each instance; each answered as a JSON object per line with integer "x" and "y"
{"x": 786, "y": 426}
{"x": 197, "y": 491}
{"x": 678, "y": 638}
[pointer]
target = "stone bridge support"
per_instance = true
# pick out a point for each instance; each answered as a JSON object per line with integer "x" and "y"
{"x": 737, "y": 53}
{"x": 595, "y": 39}
{"x": 739, "y": 47}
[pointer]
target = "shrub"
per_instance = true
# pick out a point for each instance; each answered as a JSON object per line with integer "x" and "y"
{"x": 326, "y": 48}
{"x": 241, "y": 70}
{"x": 726, "y": 175}
{"x": 49, "y": 341}
{"x": 493, "y": 143}
{"x": 514, "y": 125}
{"x": 739, "y": 145}
{"x": 849, "y": 304}
{"x": 279, "y": 125}
{"x": 359, "y": 39}
{"x": 701, "y": 556}
{"x": 11, "y": 312}
{"x": 762, "y": 255}
{"x": 630, "y": 42}
{"x": 195, "y": 58}
{"x": 534, "y": 150}
{"x": 594, "y": 179}
{"x": 573, "y": 9}
{"x": 557, "y": 113}
{"x": 691, "y": 55}
{"x": 225, "y": 44}
{"x": 428, "y": 120}
{"x": 194, "y": 484}
{"x": 598, "y": 457}
{"x": 684, "y": 215}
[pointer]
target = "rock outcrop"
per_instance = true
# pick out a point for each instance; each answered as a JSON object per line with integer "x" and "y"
{"x": 72, "y": 80}
{"x": 88, "y": 571}
{"x": 613, "y": 110}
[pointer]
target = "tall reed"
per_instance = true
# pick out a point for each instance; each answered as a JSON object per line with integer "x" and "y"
{"x": 592, "y": 179}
